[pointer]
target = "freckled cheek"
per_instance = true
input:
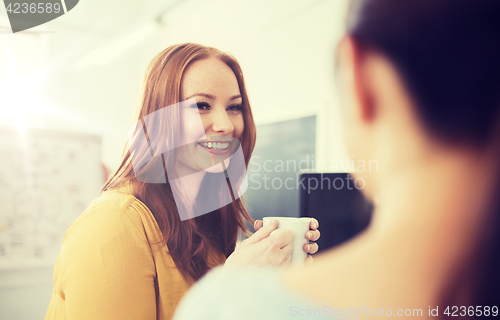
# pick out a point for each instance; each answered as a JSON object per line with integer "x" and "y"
{"x": 193, "y": 127}
{"x": 239, "y": 126}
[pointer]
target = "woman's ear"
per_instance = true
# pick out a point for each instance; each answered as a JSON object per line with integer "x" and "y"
{"x": 350, "y": 66}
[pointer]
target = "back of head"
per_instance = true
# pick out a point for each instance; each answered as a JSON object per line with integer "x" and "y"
{"x": 448, "y": 54}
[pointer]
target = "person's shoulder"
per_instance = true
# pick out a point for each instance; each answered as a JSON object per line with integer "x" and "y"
{"x": 207, "y": 298}
{"x": 247, "y": 294}
{"x": 111, "y": 213}
{"x": 108, "y": 239}
{"x": 111, "y": 200}
{"x": 111, "y": 206}
{"x": 224, "y": 294}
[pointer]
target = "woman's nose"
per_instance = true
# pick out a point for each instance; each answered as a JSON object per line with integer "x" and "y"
{"x": 221, "y": 122}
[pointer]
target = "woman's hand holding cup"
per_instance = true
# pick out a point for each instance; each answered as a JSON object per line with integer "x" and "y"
{"x": 312, "y": 235}
{"x": 263, "y": 248}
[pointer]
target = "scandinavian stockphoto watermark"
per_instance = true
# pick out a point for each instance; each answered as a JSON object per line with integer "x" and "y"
{"x": 287, "y": 174}
{"x": 355, "y": 312}
{"x": 366, "y": 312}
{"x": 26, "y": 14}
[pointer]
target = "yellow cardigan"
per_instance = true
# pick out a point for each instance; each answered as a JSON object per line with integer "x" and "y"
{"x": 107, "y": 269}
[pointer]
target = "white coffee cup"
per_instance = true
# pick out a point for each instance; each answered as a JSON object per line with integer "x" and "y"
{"x": 299, "y": 226}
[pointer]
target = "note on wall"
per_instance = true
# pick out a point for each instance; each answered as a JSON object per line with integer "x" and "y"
{"x": 47, "y": 179}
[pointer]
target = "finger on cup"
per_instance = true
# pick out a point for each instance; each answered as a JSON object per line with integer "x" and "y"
{"x": 314, "y": 224}
{"x": 313, "y": 235}
{"x": 282, "y": 237}
{"x": 257, "y": 225}
{"x": 311, "y": 248}
{"x": 263, "y": 232}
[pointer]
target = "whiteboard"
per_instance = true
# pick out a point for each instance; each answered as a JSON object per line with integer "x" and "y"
{"x": 47, "y": 179}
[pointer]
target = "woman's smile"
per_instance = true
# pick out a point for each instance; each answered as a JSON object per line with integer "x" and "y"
{"x": 215, "y": 147}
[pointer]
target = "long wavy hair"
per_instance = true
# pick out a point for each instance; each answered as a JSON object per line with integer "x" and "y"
{"x": 189, "y": 242}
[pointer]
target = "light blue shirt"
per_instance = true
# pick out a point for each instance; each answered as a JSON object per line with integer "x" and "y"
{"x": 247, "y": 294}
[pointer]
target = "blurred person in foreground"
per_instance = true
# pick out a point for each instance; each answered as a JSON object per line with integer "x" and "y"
{"x": 420, "y": 82}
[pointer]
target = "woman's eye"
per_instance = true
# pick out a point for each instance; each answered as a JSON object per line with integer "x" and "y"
{"x": 203, "y": 106}
{"x": 236, "y": 107}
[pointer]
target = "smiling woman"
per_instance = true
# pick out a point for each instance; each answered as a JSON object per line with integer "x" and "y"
{"x": 137, "y": 248}
{"x": 221, "y": 108}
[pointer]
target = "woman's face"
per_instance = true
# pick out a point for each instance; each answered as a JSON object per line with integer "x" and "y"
{"x": 219, "y": 105}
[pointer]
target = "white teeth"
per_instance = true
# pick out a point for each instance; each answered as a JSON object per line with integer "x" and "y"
{"x": 215, "y": 145}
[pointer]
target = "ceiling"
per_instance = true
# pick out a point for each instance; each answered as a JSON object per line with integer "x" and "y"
{"x": 105, "y": 17}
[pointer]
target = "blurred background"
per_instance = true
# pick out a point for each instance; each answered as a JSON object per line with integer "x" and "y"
{"x": 68, "y": 93}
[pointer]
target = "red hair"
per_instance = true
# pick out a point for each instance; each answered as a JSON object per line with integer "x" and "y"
{"x": 187, "y": 241}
